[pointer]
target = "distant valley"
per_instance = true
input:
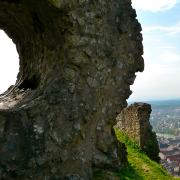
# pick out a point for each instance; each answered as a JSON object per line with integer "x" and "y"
{"x": 165, "y": 119}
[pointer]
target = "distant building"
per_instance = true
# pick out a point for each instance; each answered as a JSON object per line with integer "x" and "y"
{"x": 170, "y": 155}
{"x": 174, "y": 158}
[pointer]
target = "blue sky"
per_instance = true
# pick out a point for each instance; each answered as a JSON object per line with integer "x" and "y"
{"x": 160, "y": 22}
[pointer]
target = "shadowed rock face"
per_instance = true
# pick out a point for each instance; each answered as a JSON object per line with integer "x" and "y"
{"x": 77, "y": 61}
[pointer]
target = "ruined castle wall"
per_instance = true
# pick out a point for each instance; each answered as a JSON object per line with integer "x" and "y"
{"x": 134, "y": 122}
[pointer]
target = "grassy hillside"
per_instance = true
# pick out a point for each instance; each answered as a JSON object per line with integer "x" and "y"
{"x": 140, "y": 167}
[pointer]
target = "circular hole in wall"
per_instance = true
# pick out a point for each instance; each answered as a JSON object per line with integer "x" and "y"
{"x": 9, "y": 62}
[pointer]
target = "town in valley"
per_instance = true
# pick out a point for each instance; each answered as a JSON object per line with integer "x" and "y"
{"x": 165, "y": 120}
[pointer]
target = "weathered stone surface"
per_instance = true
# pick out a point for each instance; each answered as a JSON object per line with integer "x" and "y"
{"x": 77, "y": 61}
{"x": 134, "y": 121}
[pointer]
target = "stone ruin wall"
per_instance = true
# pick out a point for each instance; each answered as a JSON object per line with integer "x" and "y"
{"x": 78, "y": 59}
{"x": 134, "y": 122}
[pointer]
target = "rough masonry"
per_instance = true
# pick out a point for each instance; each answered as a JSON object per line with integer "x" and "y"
{"x": 134, "y": 122}
{"x": 78, "y": 59}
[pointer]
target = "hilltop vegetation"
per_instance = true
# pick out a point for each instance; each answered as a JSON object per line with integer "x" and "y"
{"x": 139, "y": 166}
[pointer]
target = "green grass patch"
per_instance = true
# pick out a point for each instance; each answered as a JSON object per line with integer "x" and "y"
{"x": 139, "y": 167}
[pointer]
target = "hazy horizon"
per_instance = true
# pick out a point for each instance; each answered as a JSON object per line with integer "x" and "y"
{"x": 153, "y": 100}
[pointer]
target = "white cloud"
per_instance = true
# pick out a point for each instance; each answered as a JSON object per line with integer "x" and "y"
{"x": 154, "y": 6}
{"x": 165, "y": 47}
{"x": 166, "y": 61}
{"x": 170, "y": 57}
{"x": 170, "y": 30}
{"x": 156, "y": 82}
